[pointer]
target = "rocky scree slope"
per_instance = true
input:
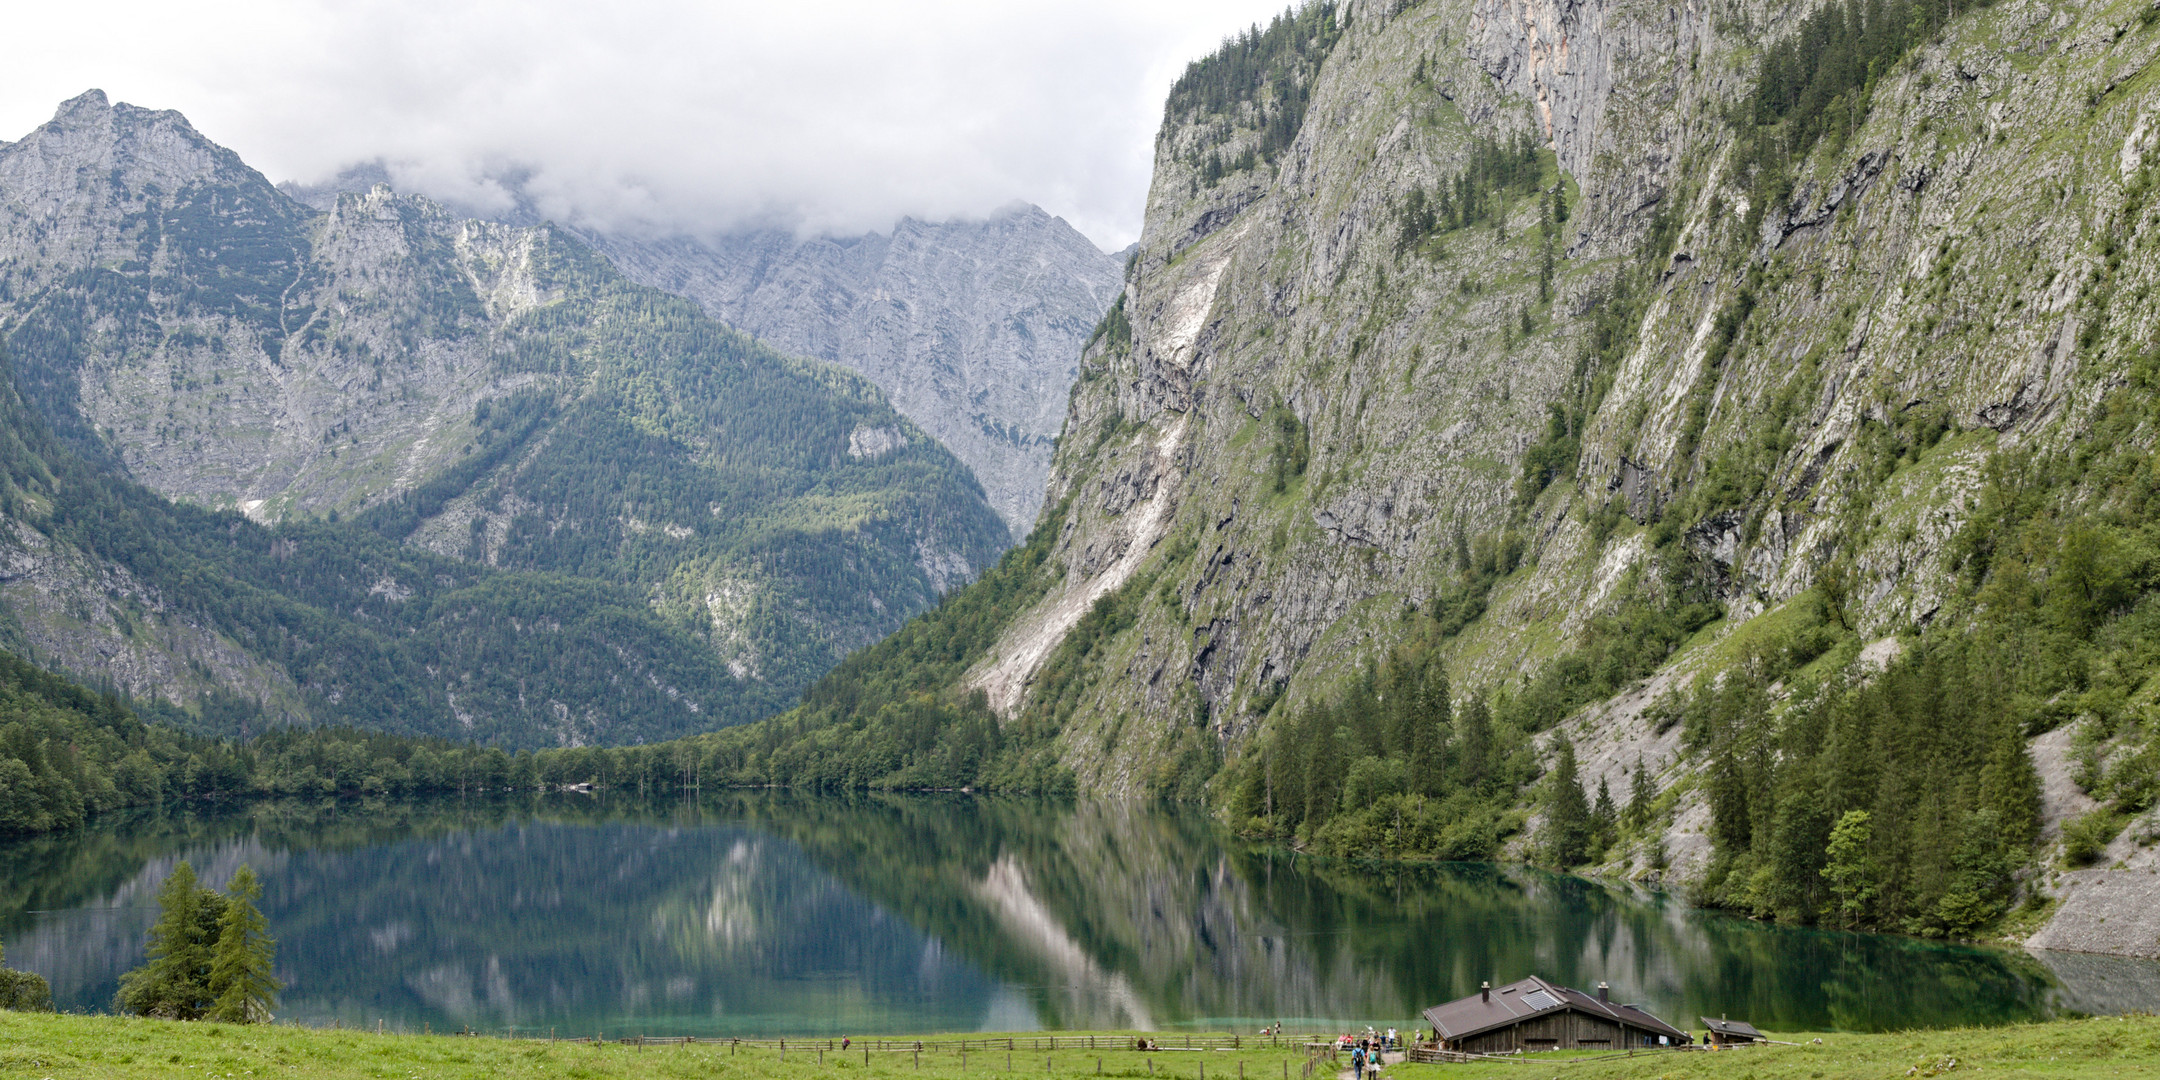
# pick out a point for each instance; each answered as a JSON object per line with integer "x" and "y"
{"x": 481, "y": 394}
{"x": 1574, "y": 345}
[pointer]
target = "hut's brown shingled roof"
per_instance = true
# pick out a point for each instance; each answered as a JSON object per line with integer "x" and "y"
{"x": 1474, "y": 1015}
{"x": 1731, "y": 1027}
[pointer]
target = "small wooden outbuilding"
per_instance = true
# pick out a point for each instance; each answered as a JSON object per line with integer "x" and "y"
{"x": 1725, "y": 1032}
{"x": 1537, "y": 1015}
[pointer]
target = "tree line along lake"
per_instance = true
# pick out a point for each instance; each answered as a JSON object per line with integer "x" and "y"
{"x": 778, "y": 913}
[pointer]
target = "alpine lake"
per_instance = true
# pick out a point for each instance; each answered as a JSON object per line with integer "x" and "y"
{"x": 774, "y": 913}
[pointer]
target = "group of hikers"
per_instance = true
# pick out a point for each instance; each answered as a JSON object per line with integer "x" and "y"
{"x": 1368, "y": 1052}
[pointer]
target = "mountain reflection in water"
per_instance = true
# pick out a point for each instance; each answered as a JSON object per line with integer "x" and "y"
{"x": 777, "y": 913}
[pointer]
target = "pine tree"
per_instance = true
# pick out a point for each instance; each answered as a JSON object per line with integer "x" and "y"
{"x": 1478, "y": 752}
{"x": 174, "y": 983}
{"x": 1641, "y": 793}
{"x": 2010, "y": 787}
{"x": 241, "y": 987}
{"x": 1428, "y": 735}
{"x": 1603, "y": 813}
{"x": 1567, "y": 813}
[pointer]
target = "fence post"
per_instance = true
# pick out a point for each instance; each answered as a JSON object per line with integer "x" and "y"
{"x": 1098, "y": 1063}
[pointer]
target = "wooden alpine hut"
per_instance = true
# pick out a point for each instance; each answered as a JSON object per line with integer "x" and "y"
{"x": 1725, "y": 1032}
{"x": 1537, "y": 1015}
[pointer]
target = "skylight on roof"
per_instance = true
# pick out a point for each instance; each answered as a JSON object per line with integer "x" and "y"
{"x": 1539, "y": 999}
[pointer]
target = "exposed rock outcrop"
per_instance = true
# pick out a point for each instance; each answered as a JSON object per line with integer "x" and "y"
{"x": 972, "y": 328}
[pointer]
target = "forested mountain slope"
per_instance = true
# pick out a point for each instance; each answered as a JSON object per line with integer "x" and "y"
{"x": 1713, "y": 442}
{"x": 414, "y": 402}
{"x": 972, "y": 328}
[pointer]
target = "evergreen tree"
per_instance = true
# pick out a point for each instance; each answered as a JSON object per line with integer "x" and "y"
{"x": 1603, "y": 814}
{"x": 1567, "y": 812}
{"x": 241, "y": 987}
{"x": 1479, "y": 753}
{"x": 174, "y": 983}
{"x": 1641, "y": 793}
{"x": 1980, "y": 879}
{"x": 1430, "y": 720}
{"x": 2010, "y": 787}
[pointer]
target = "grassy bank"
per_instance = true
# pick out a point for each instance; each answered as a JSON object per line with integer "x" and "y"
{"x": 87, "y": 1047}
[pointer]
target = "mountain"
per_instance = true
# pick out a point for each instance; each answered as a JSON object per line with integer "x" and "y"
{"x": 1717, "y": 449}
{"x": 441, "y": 406}
{"x": 972, "y": 328}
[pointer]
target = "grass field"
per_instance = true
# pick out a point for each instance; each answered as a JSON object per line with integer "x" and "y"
{"x": 93, "y": 1047}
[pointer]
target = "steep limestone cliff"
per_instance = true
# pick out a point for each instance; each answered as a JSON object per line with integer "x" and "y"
{"x": 1643, "y": 358}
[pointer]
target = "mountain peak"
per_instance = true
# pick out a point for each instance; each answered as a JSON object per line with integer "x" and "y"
{"x": 88, "y": 105}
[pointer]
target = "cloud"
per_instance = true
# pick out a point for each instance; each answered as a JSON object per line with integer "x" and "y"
{"x": 661, "y": 114}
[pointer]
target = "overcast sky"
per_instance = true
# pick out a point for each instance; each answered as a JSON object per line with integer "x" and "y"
{"x": 838, "y": 116}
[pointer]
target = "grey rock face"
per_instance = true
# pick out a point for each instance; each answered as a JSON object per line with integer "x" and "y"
{"x": 488, "y": 392}
{"x": 1931, "y": 256}
{"x": 972, "y": 328}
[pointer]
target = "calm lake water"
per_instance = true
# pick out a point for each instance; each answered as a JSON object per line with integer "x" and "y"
{"x": 780, "y": 914}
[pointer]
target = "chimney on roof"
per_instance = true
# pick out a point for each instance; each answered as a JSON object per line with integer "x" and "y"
{"x": 1485, "y": 991}
{"x": 1604, "y": 993}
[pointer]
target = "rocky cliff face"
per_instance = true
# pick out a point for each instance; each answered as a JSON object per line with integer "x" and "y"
{"x": 1740, "y": 380}
{"x": 972, "y": 328}
{"x": 482, "y": 392}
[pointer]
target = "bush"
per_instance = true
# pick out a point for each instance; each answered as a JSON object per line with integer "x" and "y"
{"x": 23, "y": 991}
{"x": 2086, "y": 838}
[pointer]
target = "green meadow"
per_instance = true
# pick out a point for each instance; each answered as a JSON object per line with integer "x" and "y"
{"x": 94, "y": 1047}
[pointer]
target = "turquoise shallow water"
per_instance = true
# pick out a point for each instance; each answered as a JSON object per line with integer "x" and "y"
{"x": 773, "y": 913}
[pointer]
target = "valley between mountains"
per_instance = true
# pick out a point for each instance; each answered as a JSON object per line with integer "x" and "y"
{"x": 1706, "y": 445}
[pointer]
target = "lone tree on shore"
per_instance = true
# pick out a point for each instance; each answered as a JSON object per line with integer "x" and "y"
{"x": 209, "y": 954}
{"x": 242, "y": 989}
